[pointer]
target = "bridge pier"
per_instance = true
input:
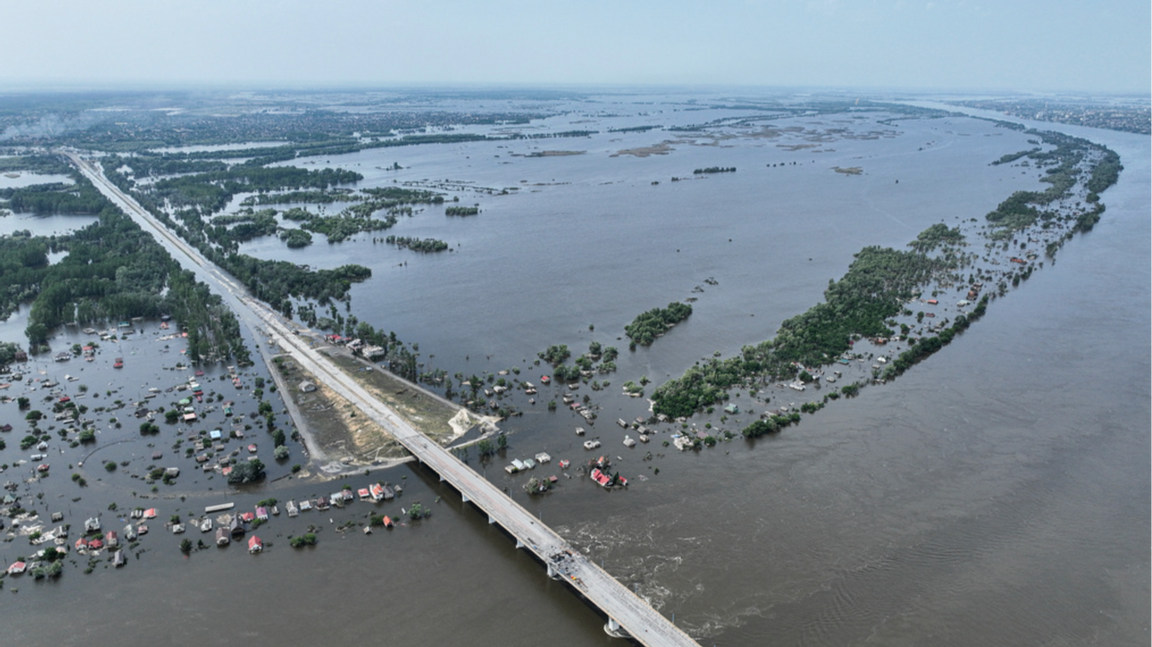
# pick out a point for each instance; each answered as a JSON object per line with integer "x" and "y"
{"x": 613, "y": 628}
{"x": 466, "y": 500}
{"x": 519, "y": 544}
{"x": 491, "y": 520}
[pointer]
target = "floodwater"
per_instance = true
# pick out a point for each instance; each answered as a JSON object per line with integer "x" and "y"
{"x": 996, "y": 494}
{"x": 43, "y": 225}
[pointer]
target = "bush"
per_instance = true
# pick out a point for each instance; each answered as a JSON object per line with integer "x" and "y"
{"x": 110, "y": 466}
{"x": 307, "y": 539}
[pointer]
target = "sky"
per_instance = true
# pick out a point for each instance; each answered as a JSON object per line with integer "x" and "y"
{"x": 1103, "y": 46}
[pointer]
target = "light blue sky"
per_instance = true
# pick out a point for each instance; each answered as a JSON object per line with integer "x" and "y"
{"x": 1059, "y": 45}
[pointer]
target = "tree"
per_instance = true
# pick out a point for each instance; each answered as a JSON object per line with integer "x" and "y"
{"x": 485, "y": 448}
{"x": 307, "y": 539}
{"x": 246, "y": 472}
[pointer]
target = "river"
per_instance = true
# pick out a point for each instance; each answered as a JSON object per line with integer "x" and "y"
{"x": 995, "y": 494}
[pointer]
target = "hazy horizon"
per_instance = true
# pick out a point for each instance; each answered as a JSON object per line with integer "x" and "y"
{"x": 885, "y": 45}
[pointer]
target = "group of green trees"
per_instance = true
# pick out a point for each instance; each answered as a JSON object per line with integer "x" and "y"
{"x": 936, "y": 235}
{"x": 873, "y": 289}
{"x": 80, "y": 197}
{"x": 246, "y": 472}
{"x": 296, "y": 238}
{"x": 770, "y": 425}
{"x": 211, "y": 191}
{"x": 461, "y": 211}
{"x": 1064, "y": 166}
{"x": 880, "y": 280}
{"x": 426, "y": 245}
{"x": 112, "y": 271}
{"x": 555, "y": 354}
{"x": 923, "y": 347}
{"x": 647, "y": 326}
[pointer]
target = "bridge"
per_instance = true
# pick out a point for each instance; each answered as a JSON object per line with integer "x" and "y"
{"x": 628, "y": 614}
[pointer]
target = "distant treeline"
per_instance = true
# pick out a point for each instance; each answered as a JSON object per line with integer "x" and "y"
{"x": 715, "y": 169}
{"x": 634, "y": 129}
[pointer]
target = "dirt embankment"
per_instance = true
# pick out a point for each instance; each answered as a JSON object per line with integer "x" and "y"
{"x": 341, "y": 437}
